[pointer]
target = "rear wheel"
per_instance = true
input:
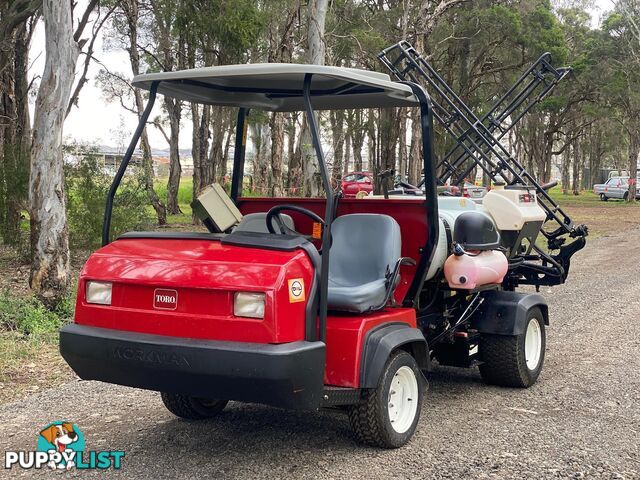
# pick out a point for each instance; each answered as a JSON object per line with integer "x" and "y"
{"x": 515, "y": 360}
{"x": 192, "y": 408}
{"x": 625, "y": 197}
{"x": 389, "y": 414}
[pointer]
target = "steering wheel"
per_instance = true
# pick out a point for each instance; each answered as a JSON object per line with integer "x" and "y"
{"x": 274, "y": 214}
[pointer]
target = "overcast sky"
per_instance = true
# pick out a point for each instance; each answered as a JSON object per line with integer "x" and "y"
{"x": 97, "y": 121}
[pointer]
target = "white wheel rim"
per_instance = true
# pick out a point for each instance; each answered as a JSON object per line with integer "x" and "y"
{"x": 403, "y": 399}
{"x": 533, "y": 344}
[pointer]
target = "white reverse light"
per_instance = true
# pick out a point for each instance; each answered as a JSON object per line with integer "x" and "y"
{"x": 248, "y": 304}
{"x": 98, "y": 292}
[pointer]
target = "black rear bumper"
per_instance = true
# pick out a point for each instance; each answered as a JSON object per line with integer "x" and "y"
{"x": 286, "y": 375}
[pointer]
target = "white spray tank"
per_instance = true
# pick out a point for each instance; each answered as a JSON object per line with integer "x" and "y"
{"x": 449, "y": 209}
{"x": 517, "y": 216}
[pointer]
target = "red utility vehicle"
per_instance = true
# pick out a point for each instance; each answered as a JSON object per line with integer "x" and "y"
{"x": 307, "y": 303}
{"x": 355, "y": 182}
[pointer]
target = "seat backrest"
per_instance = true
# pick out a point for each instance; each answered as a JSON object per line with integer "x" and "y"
{"x": 257, "y": 222}
{"x": 365, "y": 247}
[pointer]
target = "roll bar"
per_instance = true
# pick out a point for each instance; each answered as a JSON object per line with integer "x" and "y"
{"x": 238, "y": 173}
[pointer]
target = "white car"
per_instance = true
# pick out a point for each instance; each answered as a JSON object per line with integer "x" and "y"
{"x": 615, "y": 187}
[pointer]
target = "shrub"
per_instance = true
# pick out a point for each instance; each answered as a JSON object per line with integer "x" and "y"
{"x": 87, "y": 188}
{"x": 29, "y": 316}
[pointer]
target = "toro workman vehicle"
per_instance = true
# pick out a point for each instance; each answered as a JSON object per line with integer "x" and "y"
{"x": 306, "y": 303}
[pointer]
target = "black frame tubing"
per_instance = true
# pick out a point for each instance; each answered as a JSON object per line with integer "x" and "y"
{"x": 106, "y": 223}
{"x": 431, "y": 195}
{"x": 474, "y": 131}
{"x": 326, "y": 234}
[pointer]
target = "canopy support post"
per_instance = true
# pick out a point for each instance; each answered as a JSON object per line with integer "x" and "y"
{"x": 329, "y": 210}
{"x": 431, "y": 193}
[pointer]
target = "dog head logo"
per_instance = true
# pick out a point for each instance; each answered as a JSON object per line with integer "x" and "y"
{"x": 63, "y": 438}
{"x": 60, "y": 436}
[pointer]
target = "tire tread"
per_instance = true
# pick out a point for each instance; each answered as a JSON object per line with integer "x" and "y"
{"x": 367, "y": 420}
{"x": 182, "y": 406}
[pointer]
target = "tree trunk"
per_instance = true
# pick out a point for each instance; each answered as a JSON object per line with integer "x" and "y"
{"x": 402, "y": 144}
{"x": 347, "y": 153}
{"x": 277, "y": 154}
{"x": 132, "y": 15}
{"x": 174, "y": 109}
{"x": 566, "y": 164}
{"x": 315, "y": 37}
{"x": 358, "y": 131}
{"x": 337, "y": 137}
{"x": 415, "y": 151}
{"x": 316, "y": 15}
{"x": 199, "y": 149}
{"x": 217, "y": 166}
{"x": 230, "y": 127}
{"x": 291, "y": 146}
{"x": 260, "y": 165}
{"x": 388, "y": 128}
{"x": 374, "y": 161}
{"x": 578, "y": 155}
{"x": 295, "y": 163}
{"x": 15, "y": 136}
{"x": 634, "y": 151}
{"x": 49, "y": 234}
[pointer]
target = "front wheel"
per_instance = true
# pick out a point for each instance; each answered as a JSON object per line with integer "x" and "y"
{"x": 192, "y": 408}
{"x": 603, "y": 197}
{"x": 389, "y": 414}
{"x": 515, "y": 360}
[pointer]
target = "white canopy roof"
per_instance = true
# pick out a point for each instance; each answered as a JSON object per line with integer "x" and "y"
{"x": 278, "y": 87}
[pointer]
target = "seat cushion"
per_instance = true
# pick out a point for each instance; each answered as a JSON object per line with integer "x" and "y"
{"x": 356, "y": 298}
{"x": 365, "y": 249}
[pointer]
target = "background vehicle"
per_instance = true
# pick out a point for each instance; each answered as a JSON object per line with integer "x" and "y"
{"x": 307, "y": 303}
{"x": 448, "y": 190}
{"x": 615, "y": 187}
{"x": 355, "y": 182}
{"x": 470, "y": 190}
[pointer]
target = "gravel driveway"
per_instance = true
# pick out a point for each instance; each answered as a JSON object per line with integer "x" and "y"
{"x": 581, "y": 420}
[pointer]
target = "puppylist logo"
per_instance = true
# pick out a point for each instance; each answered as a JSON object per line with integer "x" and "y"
{"x": 61, "y": 446}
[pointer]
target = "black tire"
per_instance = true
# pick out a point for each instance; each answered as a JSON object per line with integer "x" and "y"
{"x": 504, "y": 359}
{"x": 370, "y": 419}
{"x": 625, "y": 197}
{"x": 603, "y": 197}
{"x": 192, "y": 408}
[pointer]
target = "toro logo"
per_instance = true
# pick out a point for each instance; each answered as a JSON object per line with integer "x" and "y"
{"x": 164, "y": 299}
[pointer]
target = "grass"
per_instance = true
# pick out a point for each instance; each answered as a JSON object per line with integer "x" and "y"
{"x": 586, "y": 198}
{"x": 29, "y": 358}
{"x": 602, "y": 218}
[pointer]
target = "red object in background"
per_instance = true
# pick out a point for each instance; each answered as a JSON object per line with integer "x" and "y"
{"x": 355, "y": 182}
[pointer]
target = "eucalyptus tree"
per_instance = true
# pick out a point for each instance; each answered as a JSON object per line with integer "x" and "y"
{"x": 49, "y": 233}
{"x": 620, "y": 51}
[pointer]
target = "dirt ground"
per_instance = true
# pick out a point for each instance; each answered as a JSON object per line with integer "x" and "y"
{"x": 605, "y": 218}
{"x": 22, "y": 358}
{"x": 581, "y": 420}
